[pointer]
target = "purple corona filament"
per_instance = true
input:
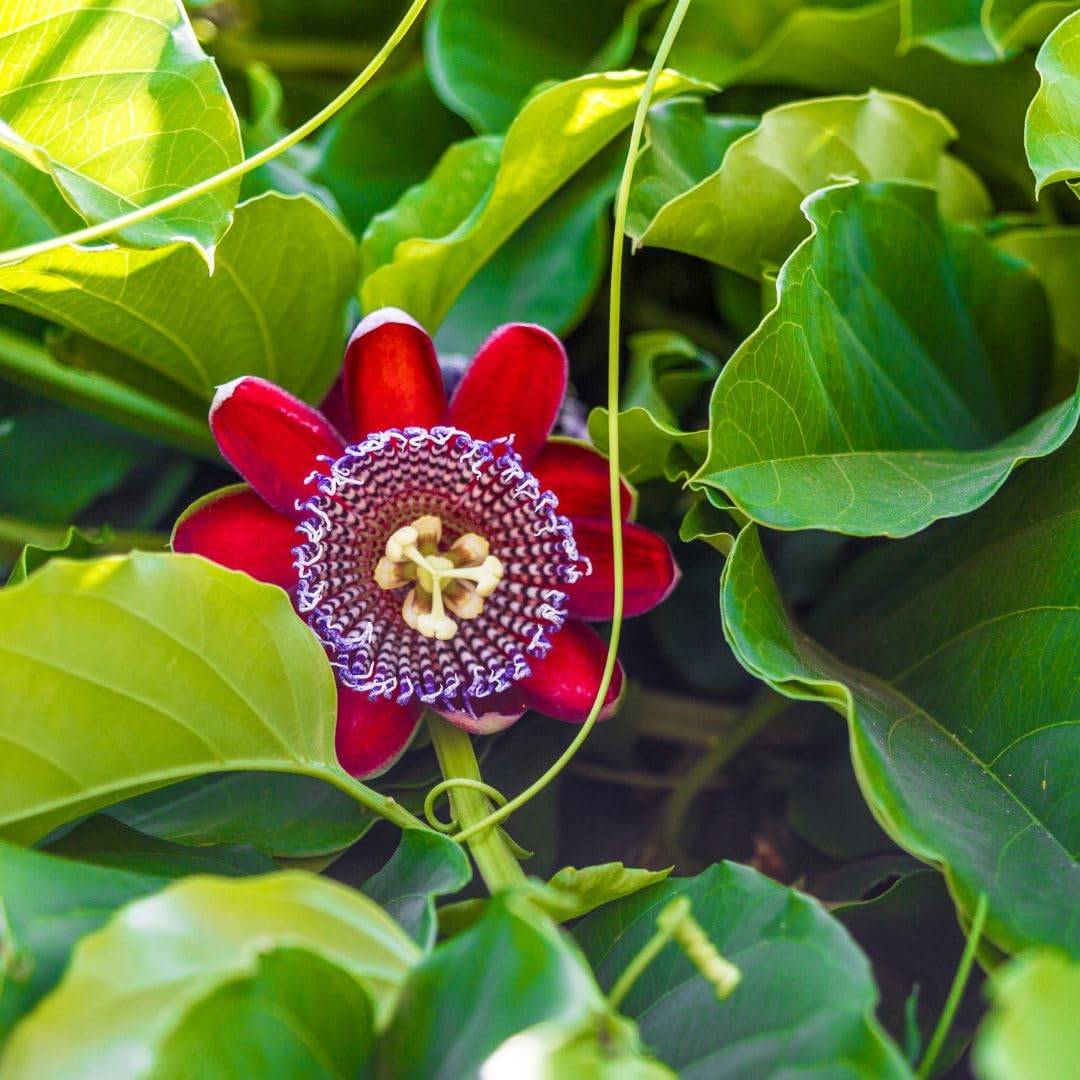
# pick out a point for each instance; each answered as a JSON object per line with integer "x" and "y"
{"x": 391, "y": 479}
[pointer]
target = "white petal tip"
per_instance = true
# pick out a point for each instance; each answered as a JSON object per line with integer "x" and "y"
{"x": 381, "y": 318}
{"x": 224, "y": 392}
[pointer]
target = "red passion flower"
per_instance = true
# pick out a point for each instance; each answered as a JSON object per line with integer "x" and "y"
{"x": 446, "y": 554}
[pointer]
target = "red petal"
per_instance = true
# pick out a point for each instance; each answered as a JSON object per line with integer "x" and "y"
{"x": 372, "y": 735}
{"x": 235, "y": 528}
{"x": 392, "y": 377}
{"x": 515, "y": 384}
{"x": 334, "y": 406}
{"x": 565, "y": 682}
{"x": 495, "y": 712}
{"x": 578, "y": 474}
{"x": 272, "y": 439}
{"x": 649, "y": 570}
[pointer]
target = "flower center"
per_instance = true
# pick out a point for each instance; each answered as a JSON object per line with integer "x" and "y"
{"x": 459, "y": 580}
{"x": 433, "y": 566}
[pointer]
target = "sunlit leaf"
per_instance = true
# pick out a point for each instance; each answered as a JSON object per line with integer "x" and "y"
{"x": 1052, "y": 131}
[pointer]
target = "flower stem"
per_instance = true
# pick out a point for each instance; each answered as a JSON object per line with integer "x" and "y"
{"x": 497, "y": 864}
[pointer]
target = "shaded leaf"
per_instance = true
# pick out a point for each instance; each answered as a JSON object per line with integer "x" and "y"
{"x": 804, "y": 1003}
{"x": 141, "y": 123}
{"x": 247, "y": 685}
{"x": 74, "y": 545}
{"x": 593, "y": 886}
{"x": 31, "y": 204}
{"x": 1052, "y": 129}
{"x": 952, "y": 27}
{"x": 1014, "y": 24}
{"x": 947, "y": 654}
{"x": 877, "y": 402}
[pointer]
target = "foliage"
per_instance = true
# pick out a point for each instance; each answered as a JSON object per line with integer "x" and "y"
{"x": 849, "y": 401}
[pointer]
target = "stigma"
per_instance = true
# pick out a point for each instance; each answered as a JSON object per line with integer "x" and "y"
{"x": 456, "y": 581}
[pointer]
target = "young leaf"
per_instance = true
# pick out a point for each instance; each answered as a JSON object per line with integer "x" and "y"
{"x": 1051, "y": 132}
{"x": 122, "y": 675}
{"x": 806, "y": 994}
{"x": 257, "y": 314}
{"x": 874, "y": 136}
{"x": 430, "y": 269}
{"x": 142, "y": 122}
{"x": 876, "y": 403}
{"x": 282, "y": 966}
{"x": 949, "y": 654}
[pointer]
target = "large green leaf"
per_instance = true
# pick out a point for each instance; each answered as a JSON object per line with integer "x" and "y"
{"x": 850, "y": 47}
{"x": 509, "y": 971}
{"x": 1012, "y": 24}
{"x": 534, "y": 42}
{"x": 122, "y": 675}
{"x": 875, "y": 136}
{"x": 879, "y": 400}
{"x": 1052, "y": 130}
{"x": 804, "y": 1004}
{"x": 1031, "y": 1029}
{"x": 281, "y": 965}
{"x": 46, "y": 905}
{"x": 257, "y": 314}
{"x": 952, "y": 27}
{"x": 952, "y": 656}
{"x": 424, "y": 270}
{"x": 117, "y": 128}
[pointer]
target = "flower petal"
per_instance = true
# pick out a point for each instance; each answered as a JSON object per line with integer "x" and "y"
{"x": 334, "y": 406}
{"x": 578, "y": 474}
{"x": 649, "y": 570}
{"x": 515, "y": 384}
{"x": 272, "y": 439}
{"x": 392, "y": 377}
{"x": 494, "y": 713}
{"x": 372, "y": 735}
{"x": 565, "y": 682}
{"x": 235, "y": 528}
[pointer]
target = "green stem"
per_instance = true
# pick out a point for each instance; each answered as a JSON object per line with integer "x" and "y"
{"x": 636, "y": 968}
{"x": 383, "y": 805}
{"x": 963, "y": 970}
{"x": 212, "y": 183}
{"x": 497, "y": 864}
{"x": 763, "y": 708}
{"x": 622, "y": 199}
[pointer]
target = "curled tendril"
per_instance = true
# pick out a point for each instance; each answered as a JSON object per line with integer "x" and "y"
{"x": 678, "y": 920}
{"x": 445, "y": 786}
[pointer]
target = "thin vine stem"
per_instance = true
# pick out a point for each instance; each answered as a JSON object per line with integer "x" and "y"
{"x": 622, "y": 199}
{"x": 234, "y": 172}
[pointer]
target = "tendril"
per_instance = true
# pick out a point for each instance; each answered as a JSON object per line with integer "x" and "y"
{"x": 444, "y": 787}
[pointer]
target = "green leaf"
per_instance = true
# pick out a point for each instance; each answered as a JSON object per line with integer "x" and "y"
{"x": 1031, "y": 1027}
{"x": 46, "y": 905}
{"x": 950, "y": 656}
{"x": 431, "y": 267}
{"x": 283, "y": 962}
{"x": 255, "y": 315}
{"x": 425, "y": 865}
{"x": 1016, "y": 24}
{"x": 594, "y": 886}
{"x": 31, "y": 206}
{"x": 224, "y": 677}
{"x": 875, "y": 403}
{"x": 508, "y": 972}
{"x": 74, "y": 545}
{"x": 851, "y": 48}
{"x": 296, "y": 817}
{"x": 142, "y": 122}
{"x": 104, "y": 841}
{"x": 1052, "y": 131}
{"x": 874, "y": 136}
{"x": 805, "y": 1002}
{"x": 952, "y": 27}
{"x": 533, "y": 43}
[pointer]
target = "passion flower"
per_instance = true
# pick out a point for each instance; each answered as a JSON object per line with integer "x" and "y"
{"x": 445, "y": 557}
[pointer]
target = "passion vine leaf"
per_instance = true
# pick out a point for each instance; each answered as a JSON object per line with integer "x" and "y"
{"x": 949, "y": 656}
{"x": 296, "y": 965}
{"x": 1016, "y": 24}
{"x": 74, "y": 544}
{"x": 425, "y": 865}
{"x": 84, "y": 725}
{"x": 32, "y": 206}
{"x": 874, "y": 136}
{"x": 142, "y": 122}
{"x": 806, "y": 994}
{"x": 876, "y": 403}
{"x": 1052, "y": 132}
{"x": 428, "y": 270}
{"x": 952, "y": 27}
{"x": 534, "y": 43}
{"x": 1031, "y": 1027}
{"x": 46, "y": 905}
{"x": 509, "y": 971}
{"x": 852, "y": 48}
